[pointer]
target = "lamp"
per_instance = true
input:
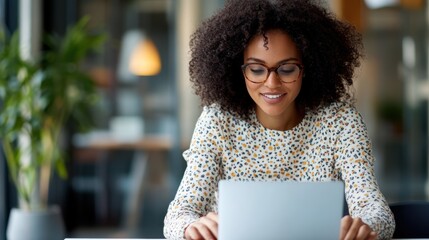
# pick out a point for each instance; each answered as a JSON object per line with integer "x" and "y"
{"x": 145, "y": 60}
{"x": 139, "y": 57}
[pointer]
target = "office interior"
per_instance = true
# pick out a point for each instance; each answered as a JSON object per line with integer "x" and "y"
{"x": 121, "y": 187}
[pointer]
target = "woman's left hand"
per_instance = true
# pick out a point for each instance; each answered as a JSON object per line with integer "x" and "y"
{"x": 355, "y": 228}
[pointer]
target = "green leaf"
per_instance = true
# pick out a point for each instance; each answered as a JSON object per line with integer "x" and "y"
{"x": 38, "y": 97}
{"x": 61, "y": 169}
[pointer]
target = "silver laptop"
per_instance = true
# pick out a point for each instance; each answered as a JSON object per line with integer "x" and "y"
{"x": 280, "y": 210}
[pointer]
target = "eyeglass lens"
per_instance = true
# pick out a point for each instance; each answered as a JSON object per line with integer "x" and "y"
{"x": 287, "y": 72}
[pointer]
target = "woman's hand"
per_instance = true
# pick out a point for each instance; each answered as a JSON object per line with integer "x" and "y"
{"x": 355, "y": 228}
{"x": 205, "y": 228}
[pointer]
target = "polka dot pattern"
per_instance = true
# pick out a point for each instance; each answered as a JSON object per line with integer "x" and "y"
{"x": 328, "y": 144}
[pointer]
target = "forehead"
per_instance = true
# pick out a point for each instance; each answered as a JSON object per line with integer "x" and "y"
{"x": 277, "y": 46}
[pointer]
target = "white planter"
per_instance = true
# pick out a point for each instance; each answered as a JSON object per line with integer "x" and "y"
{"x": 35, "y": 225}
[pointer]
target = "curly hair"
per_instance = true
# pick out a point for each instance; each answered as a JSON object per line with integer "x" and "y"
{"x": 330, "y": 49}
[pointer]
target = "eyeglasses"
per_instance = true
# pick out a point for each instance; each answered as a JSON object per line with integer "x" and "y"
{"x": 258, "y": 73}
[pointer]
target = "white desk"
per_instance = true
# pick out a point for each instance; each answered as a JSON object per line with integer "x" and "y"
{"x": 164, "y": 239}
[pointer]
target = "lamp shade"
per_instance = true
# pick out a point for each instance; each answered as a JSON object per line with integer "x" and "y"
{"x": 145, "y": 60}
{"x": 138, "y": 57}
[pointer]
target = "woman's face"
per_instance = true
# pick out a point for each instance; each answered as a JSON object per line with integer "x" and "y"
{"x": 275, "y": 99}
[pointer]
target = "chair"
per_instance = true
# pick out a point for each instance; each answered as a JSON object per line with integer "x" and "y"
{"x": 412, "y": 219}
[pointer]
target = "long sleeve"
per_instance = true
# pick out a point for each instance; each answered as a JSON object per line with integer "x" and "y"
{"x": 328, "y": 144}
{"x": 196, "y": 194}
{"x": 355, "y": 162}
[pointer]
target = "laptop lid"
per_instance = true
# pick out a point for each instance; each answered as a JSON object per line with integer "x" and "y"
{"x": 280, "y": 210}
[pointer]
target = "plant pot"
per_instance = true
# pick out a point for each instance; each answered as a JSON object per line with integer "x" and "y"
{"x": 35, "y": 225}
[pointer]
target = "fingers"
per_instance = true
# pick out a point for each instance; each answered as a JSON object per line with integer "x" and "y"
{"x": 346, "y": 222}
{"x": 363, "y": 232}
{"x": 372, "y": 236}
{"x": 213, "y": 216}
{"x": 210, "y": 221}
{"x": 205, "y": 228}
{"x": 198, "y": 231}
{"x": 355, "y": 228}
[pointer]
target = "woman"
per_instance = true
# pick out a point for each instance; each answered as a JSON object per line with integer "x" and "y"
{"x": 274, "y": 79}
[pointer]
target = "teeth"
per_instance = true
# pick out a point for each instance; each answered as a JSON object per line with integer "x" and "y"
{"x": 272, "y": 96}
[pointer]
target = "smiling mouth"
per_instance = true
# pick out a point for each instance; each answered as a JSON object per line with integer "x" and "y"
{"x": 272, "y": 96}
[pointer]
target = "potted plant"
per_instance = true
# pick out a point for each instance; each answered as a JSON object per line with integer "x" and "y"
{"x": 37, "y": 99}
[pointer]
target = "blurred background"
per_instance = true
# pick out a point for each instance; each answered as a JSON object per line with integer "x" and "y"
{"x": 124, "y": 173}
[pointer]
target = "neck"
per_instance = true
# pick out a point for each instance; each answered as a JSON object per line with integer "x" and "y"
{"x": 292, "y": 117}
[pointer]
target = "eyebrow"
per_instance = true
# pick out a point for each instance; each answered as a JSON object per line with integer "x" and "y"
{"x": 292, "y": 59}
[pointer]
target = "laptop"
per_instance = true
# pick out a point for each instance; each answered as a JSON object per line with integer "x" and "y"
{"x": 280, "y": 210}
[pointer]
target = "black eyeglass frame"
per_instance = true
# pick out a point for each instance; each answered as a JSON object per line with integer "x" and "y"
{"x": 272, "y": 69}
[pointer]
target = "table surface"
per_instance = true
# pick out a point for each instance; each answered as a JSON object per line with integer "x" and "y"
{"x": 115, "y": 239}
{"x": 164, "y": 239}
{"x": 151, "y": 143}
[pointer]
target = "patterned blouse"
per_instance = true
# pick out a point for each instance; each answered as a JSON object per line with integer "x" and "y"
{"x": 328, "y": 144}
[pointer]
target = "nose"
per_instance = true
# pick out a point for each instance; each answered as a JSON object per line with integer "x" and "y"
{"x": 273, "y": 80}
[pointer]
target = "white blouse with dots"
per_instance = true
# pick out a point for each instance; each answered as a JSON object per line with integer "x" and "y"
{"x": 328, "y": 144}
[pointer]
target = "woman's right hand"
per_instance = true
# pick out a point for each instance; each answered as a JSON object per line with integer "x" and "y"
{"x": 205, "y": 228}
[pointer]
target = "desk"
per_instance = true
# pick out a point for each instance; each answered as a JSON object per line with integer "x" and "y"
{"x": 150, "y": 147}
{"x": 152, "y": 143}
{"x": 164, "y": 239}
